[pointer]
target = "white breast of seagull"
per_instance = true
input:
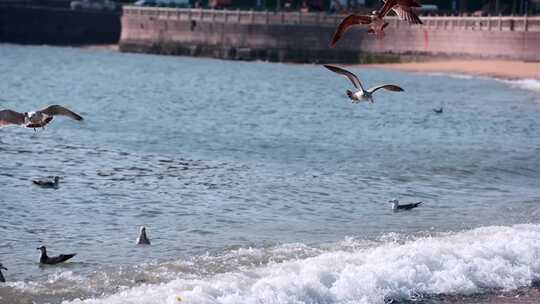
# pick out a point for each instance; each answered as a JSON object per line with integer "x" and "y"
{"x": 358, "y": 94}
{"x": 361, "y": 95}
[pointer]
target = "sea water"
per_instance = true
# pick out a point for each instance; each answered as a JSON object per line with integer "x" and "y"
{"x": 261, "y": 183}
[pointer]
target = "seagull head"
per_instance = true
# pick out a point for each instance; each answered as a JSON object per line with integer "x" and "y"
{"x": 394, "y": 202}
{"x": 32, "y": 117}
{"x": 142, "y": 230}
{"x": 42, "y": 248}
{"x": 374, "y": 12}
{"x": 2, "y": 267}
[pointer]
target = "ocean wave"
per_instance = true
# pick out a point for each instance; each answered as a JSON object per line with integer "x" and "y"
{"x": 527, "y": 84}
{"x": 530, "y": 84}
{"x": 453, "y": 75}
{"x": 479, "y": 260}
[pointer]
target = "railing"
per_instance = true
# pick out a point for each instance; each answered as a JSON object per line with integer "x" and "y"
{"x": 494, "y": 23}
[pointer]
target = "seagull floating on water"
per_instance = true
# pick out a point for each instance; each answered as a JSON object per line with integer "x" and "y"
{"x": 397, "y": 206}
{"x": 361, "y": 94}
{"x": 44, "y": 183}
{"x": 438, "y": 111}
{"x": 142, "y": 239}
{"x": 45, "y": 259}
{"x": 2, "y": 279}
{"x": 375, "y": 20}
{"x": 37, "y": 119}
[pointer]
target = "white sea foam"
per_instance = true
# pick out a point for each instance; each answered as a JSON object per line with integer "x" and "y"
{"x": 527, "y": 84}
{"x": 453, "y": 75}
{"x": 462, "y": 263}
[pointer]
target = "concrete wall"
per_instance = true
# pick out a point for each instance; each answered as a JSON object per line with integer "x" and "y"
{"x": 39, "y": 25}
{"x": 290, "y": 38}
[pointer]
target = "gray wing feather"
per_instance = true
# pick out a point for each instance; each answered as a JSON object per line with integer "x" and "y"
{"x": 9, "y": 117}
{"x": 60, "y": 110}
{"x": 389, "y": 87}
{"x": 387, "y": 6}
{"x": 406, "y": 13}
{"x": 356, "y": 82}
{"x": 61, "y": 258}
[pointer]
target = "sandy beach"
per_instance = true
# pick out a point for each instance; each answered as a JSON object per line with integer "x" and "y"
{"x": 507, "y": 69}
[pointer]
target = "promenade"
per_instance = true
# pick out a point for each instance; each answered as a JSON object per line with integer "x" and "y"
{"x": 304, "y": 37}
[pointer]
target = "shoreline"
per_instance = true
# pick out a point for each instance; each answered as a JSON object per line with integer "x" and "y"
{"x": 108, "y": 47}
{"x": 502, "y": 69}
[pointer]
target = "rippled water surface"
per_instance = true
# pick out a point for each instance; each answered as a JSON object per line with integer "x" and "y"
{"x": 262, "y": 183}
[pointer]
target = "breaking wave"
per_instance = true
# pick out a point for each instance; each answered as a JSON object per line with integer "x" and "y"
{"x": 480, "y": 260}
{"x": 527, "y": 84}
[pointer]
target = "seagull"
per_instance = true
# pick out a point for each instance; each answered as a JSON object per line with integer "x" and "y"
{"x": 361, "y": 94}
{"x": 142, "y": 239}
{"x": 45, "y": 259}
{"x": 2, "y": 279}
{"x": 375, "y": 20}
{"x": 396, "y": 206}
{"x": 37, "y": 119}
{"x": 438, "y": 111}
{"x": 47, "y": 183}
{"x": 372, "y": 20}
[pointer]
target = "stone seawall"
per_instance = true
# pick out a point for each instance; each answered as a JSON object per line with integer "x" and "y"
{"x": 296, "y": 37}
{"x": 57, "y": 26}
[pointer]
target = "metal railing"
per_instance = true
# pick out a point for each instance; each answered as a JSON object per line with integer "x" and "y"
{"x": 492, "y": 23}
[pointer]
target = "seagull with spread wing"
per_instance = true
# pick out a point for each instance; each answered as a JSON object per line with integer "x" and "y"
{"x": 361, "y": 94}
{"x": 375, "y": 21}
{"x": 37, "y": 119}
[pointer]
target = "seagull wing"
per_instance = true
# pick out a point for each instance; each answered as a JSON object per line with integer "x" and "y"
{"x": 346, "y": 23}
{"x": 61, "y": 258}
{"x": 385, "y": 9}
{"x": 414, "y": 205}
{"x": 356, "y": 82}
{"x": 410, "y": 206}
{"x": 9, "y": 117}
{"x": 406, "y": 13}
{"x": 389, "y": 87}
{"x": 59, "y": 110}
{"x": 409, "y": 3}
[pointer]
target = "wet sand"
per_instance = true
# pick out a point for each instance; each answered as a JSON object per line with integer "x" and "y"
{"x": 507, "y": 69}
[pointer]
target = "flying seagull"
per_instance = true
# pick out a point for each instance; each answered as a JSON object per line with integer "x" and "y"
{"x": 37, "y": 119}
{"x": 142, "y": 239}
{"x": 375, "y": 20}
{"x": 361, "y": 94}
{"x": 44, "y": 183}
{"x": 438, "y": 111}
{"x": 396, "y": 206}
{"x": 2, "y": 279}
{"x": 45, "y": 259}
